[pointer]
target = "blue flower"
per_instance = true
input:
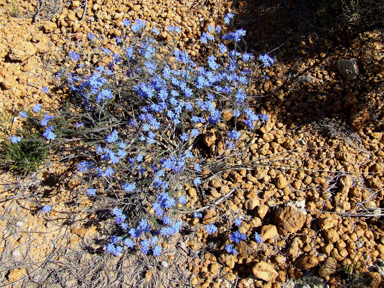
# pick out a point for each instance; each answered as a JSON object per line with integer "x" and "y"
{"x": 91, "y": 36}
{"x": 74, "y": 56}
{"x": 210, "y": 228}
{"x": 15, "y": 139}
{"x": 46, "y": 208}
{"x": 119, "y": 216}
{"x": 46, "y": 119}
{"x": 184, "y": 137}
{"x": 266, "y": 59}
{"x": 158, "y": 210}
{"x": 258, "y": 238}
{"x": 166, "y": 220}
{"x": 197, "y": 215}
{"x": 108, "y": 172}
{"x": 222, "y": 48}
{"x": 112, "y": 137}
{"x": 235, "y": 135}
{"x": 138, "y": 25}
{"x": 154, "y": 241}
{"x": 91, "y": 192}
{"x": 197, "y": 181}
{"x": 36, "y": 108}
{"x": 228, "y": 17}
{"x": 129, "y": 187}
{"x": 23, "y": 114}
{"x": 212, "y": 64}
{"x": 197, "y": 168}
{"x": 129, "y": 243}
{"x": 44, "y": 89}
{"x": 139, "y": 158}
{"x": 48, "y": 134}
{"x": 230, "y": 249}
{"x": 115, "y": 251}
{"x": 104, "y": 93}
{"x": 237, "y": 237}
{"x": 157, "y": 251}
{"x": 121, "y": 153}
{"x": 145, "y": 246}
{"x": 151, "y": 67}
{"x": 188, "y": 154}
{"x": 126, "y": 22}
{"x": 214, "y": 117}
{"x": 107, "y": 51}
{"x": 154, "y": 30}
{"x": 85, "y": 165}
{"x": 115, "y": 239}
{"x": 165, "y": 200}
{"x": 78, "y": 125}
{"x": 263, "y": 117}
{"x": 230, "y": 145}
{"x": 129, "y": 53}
{"x": 195, "y": 132}
{"x": 247, "y": 56}
{"x": 237, "y": 222}
{"x": 182, "y": 199}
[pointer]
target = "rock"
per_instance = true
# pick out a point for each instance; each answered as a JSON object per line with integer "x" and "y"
{"x": 289, "y": 219}
{"x": 8, "y": 82}
{"x": 308, "y": 262}
{"x": 264, "y": 271}
{"x": 350, "y": 99}
{"x": 329, "y": 221}
{"x": 209, "y": 139}
{"x": 214, "y": 268}
{"x": 348, "y": 69}
{"x": 16, "y": 274}
{"x": 227, "y": 114}
{"x": 262, "y": 211}
{"x": 346, "y": 181}
{"x": 328, "y": 268}
{"x": 41, "y": 47}
{"x": 331, "y": 235}
{"x": 3, "y": 50}
{"x": 359, "y": 116}
{"x": 21, "y": 51}
{"x": 375, "y": 279}
{"x": 281, "y": 182}
{"x": 268, "y": 232}
{"x": 209, "y": 217}
{"x": 228, "y": 260}
{"x": 83, "y": 232}
{"x": 250, "y": 204}
{"x": 192, "y": 192}
{"x": 49, "y": 27}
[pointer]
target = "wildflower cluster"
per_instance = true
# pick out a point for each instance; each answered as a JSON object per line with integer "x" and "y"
{"x": 151, "y": 109}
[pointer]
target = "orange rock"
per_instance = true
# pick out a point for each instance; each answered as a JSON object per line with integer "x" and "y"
{"x": 16, "y": 274}
{"x": 21, "y": 51}
{"x": 331, "y": 235}
{"x": 209, "y": 217}
{"x": 8, "y": 82}
{"x": 228, "y": 260}
{"x": 268, "y": 232}
{"x": 375, "y": 279}
{"x": 328, "y": 268}
{"x": 289, "y": 219}
{"x": 308, "y": 262}
{"x": 49, "y": 27}
{"x": 264, "y": 271}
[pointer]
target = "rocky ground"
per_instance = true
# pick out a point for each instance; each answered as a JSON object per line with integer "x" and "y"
{"x": 311, "y": 183}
